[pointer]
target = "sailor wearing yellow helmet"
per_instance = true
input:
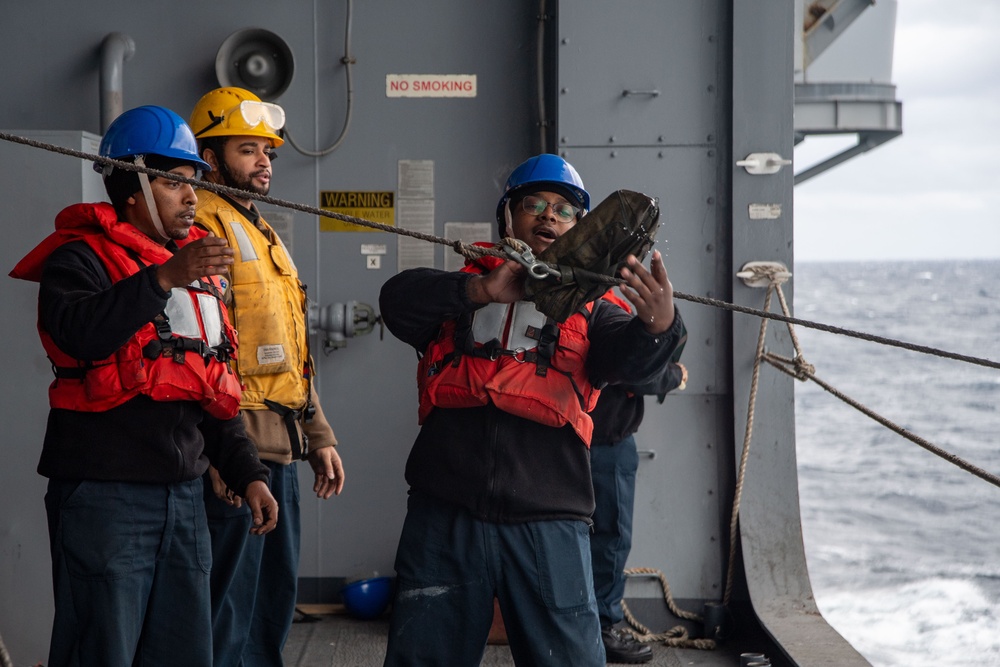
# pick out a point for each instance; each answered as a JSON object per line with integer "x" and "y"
{"x": 254, "y": 580}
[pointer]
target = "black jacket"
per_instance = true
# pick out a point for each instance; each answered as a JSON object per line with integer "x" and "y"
{"x": 620, "y": 409}
{"x": 500, "y": 467}
{"x": 141, "y": 440}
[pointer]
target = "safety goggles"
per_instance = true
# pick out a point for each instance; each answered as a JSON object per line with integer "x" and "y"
{"x": 252, "y": 114}
{"x": 536, "y": 206}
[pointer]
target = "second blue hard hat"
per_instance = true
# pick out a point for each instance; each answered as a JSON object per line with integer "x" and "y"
{"x": 545, "y": 171}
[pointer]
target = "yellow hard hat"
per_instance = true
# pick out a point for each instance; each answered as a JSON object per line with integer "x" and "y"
{"x": 230, "y": 111}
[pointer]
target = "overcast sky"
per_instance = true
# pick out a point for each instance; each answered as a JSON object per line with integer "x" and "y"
{"x": 934, "y": 191}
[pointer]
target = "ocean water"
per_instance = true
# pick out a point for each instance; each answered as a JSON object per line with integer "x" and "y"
{"x": 903, "y": 547}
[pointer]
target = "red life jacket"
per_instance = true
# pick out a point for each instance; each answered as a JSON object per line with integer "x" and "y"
{"x": 183, "y": 355}
{"x": 512, "y": 355}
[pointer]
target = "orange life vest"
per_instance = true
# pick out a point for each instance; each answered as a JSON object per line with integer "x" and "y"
{"x": 512, "y": 355}
{"x": 183, "y": 355}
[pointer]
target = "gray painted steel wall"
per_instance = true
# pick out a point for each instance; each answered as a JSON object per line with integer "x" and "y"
{"x": 674, "y": 146}
{"x": 770, "y": 525}
{"x": 666, "y": 145}
{"x": 33, "y": 184}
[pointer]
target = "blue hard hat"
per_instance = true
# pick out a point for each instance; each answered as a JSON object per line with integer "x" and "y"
{"x": 367, "y": 598}
{"x": 150, "y": 130}
{"x": 541, "y": 172}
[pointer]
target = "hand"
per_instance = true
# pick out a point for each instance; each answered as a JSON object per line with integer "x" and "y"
{"x": 223, "y": 492}
{"x": 208, "y": 256}
{"x": 650, "y": 292}
{"x": 329, "y": 471}
{"x": 263, "y": 507}
{"x": 504, "y": 284}
{"x": 684, "y": 376}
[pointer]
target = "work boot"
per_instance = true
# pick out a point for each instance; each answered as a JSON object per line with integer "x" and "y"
{"x": 622, "y": 647}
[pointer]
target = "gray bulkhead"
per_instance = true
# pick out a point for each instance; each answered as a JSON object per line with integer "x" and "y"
{"x": 661, "y": 97}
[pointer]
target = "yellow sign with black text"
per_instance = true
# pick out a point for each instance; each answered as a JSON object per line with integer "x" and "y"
{"x": 373, "y": 206}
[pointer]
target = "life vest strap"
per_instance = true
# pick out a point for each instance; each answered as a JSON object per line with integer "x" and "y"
{"x": 289, "y": 415}
{"x": 71, "y": 372}
{"x": 547, "y": 337}
{"x": 169, "y": 345}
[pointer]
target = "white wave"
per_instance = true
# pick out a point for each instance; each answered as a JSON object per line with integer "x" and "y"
{"x": 934, "y": 623}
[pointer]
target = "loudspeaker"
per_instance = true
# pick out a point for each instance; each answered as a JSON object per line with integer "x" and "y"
{"x": 257, "y": 60}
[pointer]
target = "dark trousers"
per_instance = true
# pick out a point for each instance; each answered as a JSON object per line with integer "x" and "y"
{"x": 255, "y": 578}
{"x": 130, "y": 566}
{"x": 450, "y": 566}
{"x": 613, "y": 468}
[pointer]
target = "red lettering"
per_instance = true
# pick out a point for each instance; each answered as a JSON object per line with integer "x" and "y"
{"x": 433, "y": 85}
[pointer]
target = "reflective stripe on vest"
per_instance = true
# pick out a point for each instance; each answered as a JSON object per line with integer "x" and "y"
{"x": 504, "y": 373}
{"x": 269, "y": 306}
{"x": 202, "y": 375}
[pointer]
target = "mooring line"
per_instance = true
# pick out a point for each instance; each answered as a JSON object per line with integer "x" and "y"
{"x": 473, "y": 251}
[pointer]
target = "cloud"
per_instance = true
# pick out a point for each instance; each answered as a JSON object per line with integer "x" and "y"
{"x": 933, "y": 192}
{"x": 947, "y": 49}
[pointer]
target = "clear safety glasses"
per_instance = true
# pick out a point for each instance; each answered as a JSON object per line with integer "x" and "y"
{"x": 251, "y": 113}
{"x": 255, "y": 113}
{"x": 536, "y": 206}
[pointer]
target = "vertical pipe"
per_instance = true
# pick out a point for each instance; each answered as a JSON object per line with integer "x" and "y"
{"x": 540, "y": 78}
{"x": 115, "y": 50}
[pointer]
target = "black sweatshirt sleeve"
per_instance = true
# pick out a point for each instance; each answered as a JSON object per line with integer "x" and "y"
{"x": 623, "y": 352}
{"x": 664, "y": 382}
{"x": 88, "y": 317}
{"x": 414, "y": 303}
{"x": 231, "y": 451}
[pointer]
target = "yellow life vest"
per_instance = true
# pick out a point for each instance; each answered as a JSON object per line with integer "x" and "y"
{"x": 268, "y": 308}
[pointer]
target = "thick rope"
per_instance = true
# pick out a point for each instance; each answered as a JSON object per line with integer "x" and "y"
{"x": 677, "y": 611}
{"x": 676, "y": 636}
{"x": 744, "y": 457}
{"x": 474, "y": 252}
{"x": 782, "y": 363}
{"x": 466, "y": 250}
{"x": 791, "y": 329}
{"x": 804, "y": 371}
{"x": 679, "y": 634}
{"x": 988, "y": 363}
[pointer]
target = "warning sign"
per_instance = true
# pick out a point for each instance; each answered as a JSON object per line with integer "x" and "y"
{"x": 430, "y": 85}
{"x": 368, "y": 205}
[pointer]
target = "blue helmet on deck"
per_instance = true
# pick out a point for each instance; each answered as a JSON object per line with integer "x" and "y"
{"x": 150, "y": 130}
{"x": 543, "y": 172}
